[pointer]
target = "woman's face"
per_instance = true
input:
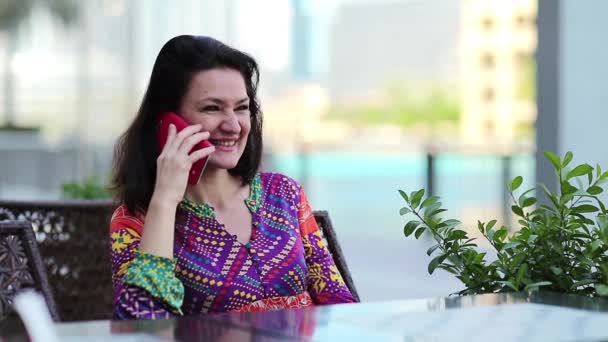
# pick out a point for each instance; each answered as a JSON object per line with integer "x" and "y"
{"x": 217, "y": 99}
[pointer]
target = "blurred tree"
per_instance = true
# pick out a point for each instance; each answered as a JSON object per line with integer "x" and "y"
{"x": 91, "y": 188}
{"x": 403, "y": 107}
{"x": 12, "y": 14}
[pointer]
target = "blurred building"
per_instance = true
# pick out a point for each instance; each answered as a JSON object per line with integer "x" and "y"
{"x": 301, "y": 67}
{"x": 376, "y": 42}
{"x": 498, "y": 41}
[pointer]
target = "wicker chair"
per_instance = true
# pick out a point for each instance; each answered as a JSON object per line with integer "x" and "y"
{"x": 322, "y": 218}
{"x": 21, "y": 267}
{"x": 73, "y": 240}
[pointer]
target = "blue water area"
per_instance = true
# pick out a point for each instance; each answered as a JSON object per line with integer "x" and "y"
{"x": 360, "y": 192}
{"x": 365, "y": 184}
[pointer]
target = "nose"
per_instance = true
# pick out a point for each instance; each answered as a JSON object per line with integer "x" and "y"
{"x": 230, "y": 124}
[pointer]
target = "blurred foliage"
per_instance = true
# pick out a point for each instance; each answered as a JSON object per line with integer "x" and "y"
{"x": 91, "y": 188}
{"x": 404, "y": 108}
{"x": 13, "y": 128}
{"x": 561, "y": 246}
{"x": 12, "y": 12}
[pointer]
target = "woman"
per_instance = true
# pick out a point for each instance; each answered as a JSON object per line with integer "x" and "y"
{"x": 238, "y": 240}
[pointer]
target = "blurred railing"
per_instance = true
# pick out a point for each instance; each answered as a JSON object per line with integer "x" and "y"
{"x": 471, "y": 180}
{"x": 506, "y": 166}
{"x": 31, "y": 169}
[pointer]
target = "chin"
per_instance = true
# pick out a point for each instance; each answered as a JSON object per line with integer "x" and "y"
{"x": 219, "y": 164}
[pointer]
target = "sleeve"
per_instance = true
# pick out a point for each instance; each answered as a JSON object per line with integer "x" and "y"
{"x": 325, "y": 283}
{"x": 145, "y": 285}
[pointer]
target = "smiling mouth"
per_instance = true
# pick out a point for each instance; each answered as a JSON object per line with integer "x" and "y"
{"x": 223, "y": 143}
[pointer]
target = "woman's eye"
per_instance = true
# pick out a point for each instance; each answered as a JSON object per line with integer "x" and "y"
{"x": 210, "y": 109}
{"x": 242, "y": 108}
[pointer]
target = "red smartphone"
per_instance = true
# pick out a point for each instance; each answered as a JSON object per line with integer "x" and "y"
{"x": 163, "y": 132}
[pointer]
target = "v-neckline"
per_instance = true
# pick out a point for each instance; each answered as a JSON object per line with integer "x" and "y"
{"x": 253, "y": 202}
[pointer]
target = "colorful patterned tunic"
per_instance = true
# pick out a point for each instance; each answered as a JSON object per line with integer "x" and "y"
{"x": 285, "y": 264}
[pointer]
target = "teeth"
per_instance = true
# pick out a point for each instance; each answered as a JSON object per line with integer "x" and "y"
{"x": 226, "y": 143}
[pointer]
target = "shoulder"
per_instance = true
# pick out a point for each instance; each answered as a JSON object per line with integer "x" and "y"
{"x": 124, "y": 218}
{"x": 280, "y": 184}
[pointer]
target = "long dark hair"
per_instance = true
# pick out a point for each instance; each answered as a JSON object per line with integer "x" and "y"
{"x": 179, "y": 59}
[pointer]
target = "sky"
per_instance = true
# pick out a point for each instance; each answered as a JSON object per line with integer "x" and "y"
{"x": 269, "y": 39}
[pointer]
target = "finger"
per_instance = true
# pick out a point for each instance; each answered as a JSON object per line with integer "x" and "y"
{"x": 200, "y": 154}
{"x": 192, "y": 140}
{"x": 186, "y": 132}
{"x": 171, "y": 132}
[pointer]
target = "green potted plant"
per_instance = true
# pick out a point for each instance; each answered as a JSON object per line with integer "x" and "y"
{"x": 560, "y": 246}
{"x": 90, "y": 189}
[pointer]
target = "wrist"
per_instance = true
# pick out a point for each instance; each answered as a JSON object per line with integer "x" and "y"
{"x": 162, "y": 203}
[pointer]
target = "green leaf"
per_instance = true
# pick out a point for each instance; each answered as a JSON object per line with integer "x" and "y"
{"x": 554, "y": 160}
{"x": 509, "y": 284}
{"x": 431, "y": 210}
{"x": 404, "y": 195}
{"x": 491, "y": 224}
{"x": 567, "y": 159}
{"x": 404, "y": 211}
{"x": 481, "y": 227}
{"x": 449, "y": 268}
{"x": 501, "y": 234}
{"x": 556, "y": 270}
{"x": 419, "y": 232}
{"x": 429, "y": 201}
{"x": 595, "y": 190}
{"x": 523, "y": 195}
{"x": 566, "y": 198}
{"x": 490, "y": 233}
{"x": 528, "y": 202}
{"x": 521, "y": 272}
{"x": 579, "y": 171}
{"x": 416, "y": 197}
{"x": 517, "y": 210}
{"x": 479, "y": 257}
{"x": 511, "y": 245}
{"x": 595, "y": 245}
{"x": 601, "y": 290}
{"x": 457, "y": 234}
{"x": 584, "y": 208}
{"x": 550, "y": 195}
{"x": 602, "y": 221}
{"x": 410, "y": 227}
{"x": 516, "y": 183}
{"x": 568, "y": 188}
{"x": 535, "y": 286}
{"x": 438, "y": 211}
{"x": 582, "y": 283}
{"x": 432, "y": 249}
{"x": 435, "y": 262}
{"x": 451, "y": 223}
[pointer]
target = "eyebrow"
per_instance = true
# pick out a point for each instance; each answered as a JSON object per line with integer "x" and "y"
{"x": 221, "y": 101}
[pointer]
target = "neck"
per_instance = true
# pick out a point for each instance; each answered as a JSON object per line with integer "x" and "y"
{"x": 217, "y": 188}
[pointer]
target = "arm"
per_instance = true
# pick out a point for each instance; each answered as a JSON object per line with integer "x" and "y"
{"x": 143, "y": 268}
{"x": 325, "y": 284}
{"x": 145, "y": 284}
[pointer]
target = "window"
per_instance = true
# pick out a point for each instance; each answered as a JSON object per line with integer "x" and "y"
{"x": 487, "y": 23}
{"x": 488, "y": 94}
{"x": 488, "y": 61}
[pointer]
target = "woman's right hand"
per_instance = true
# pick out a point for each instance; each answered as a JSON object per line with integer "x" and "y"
{"x": 174, "y": 163}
